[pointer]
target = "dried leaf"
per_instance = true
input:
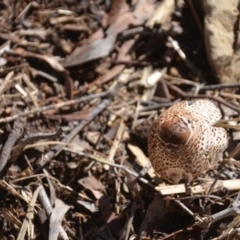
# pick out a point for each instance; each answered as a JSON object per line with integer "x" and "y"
{"x": 91, "y": 183}
{"x": 118, "y": 7}
{"x": 102, "y": 47}
{"x": 88, "y": 52}
{"x": 109, "y": 216}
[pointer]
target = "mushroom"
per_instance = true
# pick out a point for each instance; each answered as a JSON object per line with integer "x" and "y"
{"x": 183, "y": 143}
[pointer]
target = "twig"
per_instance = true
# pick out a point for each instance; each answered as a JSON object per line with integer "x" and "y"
{"x": 166, "y": 29}
{"x": 22, "y": 15}
{"x": 179, "y": 81}
{"x": 230, "y": 185}
{"x": 142, "y": 160}
{"x": 43, "y": 175}
{"x": 6, "y": 81}
{"x": 36, "y": 72}
{"x": 219, "y": 86}
{"x": 227, "y": 212}
{"x": 161, "y": 13}
{"x": 196, "y": 217}
{"x": 200, "y": 196}
{"x": 103, "y": 161}
{"x": 57, "y": 149}
{"x": 156, "y": 107}
{"x": 17, "y": 150}
{"x": 9, "y": 69}
{"x": 211, "y": 189}
{"x": 185, "y": 95}
{"x": 115, "y": 143}
{"x": 229, "y": 95}
{"x": 55, "y": 106}
{"x": 43, "y": 198}
{"x": 17, "y": 131}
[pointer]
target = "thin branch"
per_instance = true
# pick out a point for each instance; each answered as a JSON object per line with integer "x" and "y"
{"x": 58, "y": 148}
{"x": 186, "y": 95}
{"x": 219, "y": 86}
{"x": 227, "y": 212}
{"x": 196, "y": 217}
{"x": 14, "y": 136}
{"x": 54, "y": 106}
{"x": 103, "y": 161}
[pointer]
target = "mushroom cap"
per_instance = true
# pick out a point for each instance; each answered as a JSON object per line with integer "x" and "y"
{"x": 182, "y": 142}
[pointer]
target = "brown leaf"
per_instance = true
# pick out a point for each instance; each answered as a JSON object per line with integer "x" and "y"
{"x": 102, "y": 47}
{"x": 118, "y": 7}
{"x": 88, "y": 52}
{"x": 154, "y": 215}
{"x": 109, "y": 215}
{"x": 91, "y": 183}
{"x": 123, "y": 56}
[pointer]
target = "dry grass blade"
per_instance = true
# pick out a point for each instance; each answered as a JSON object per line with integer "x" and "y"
{"x": 9, "y": 188}
{"x": 27, "y": 224}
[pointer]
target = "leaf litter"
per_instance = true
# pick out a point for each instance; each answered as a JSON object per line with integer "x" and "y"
{"x": 81, "y": 82}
